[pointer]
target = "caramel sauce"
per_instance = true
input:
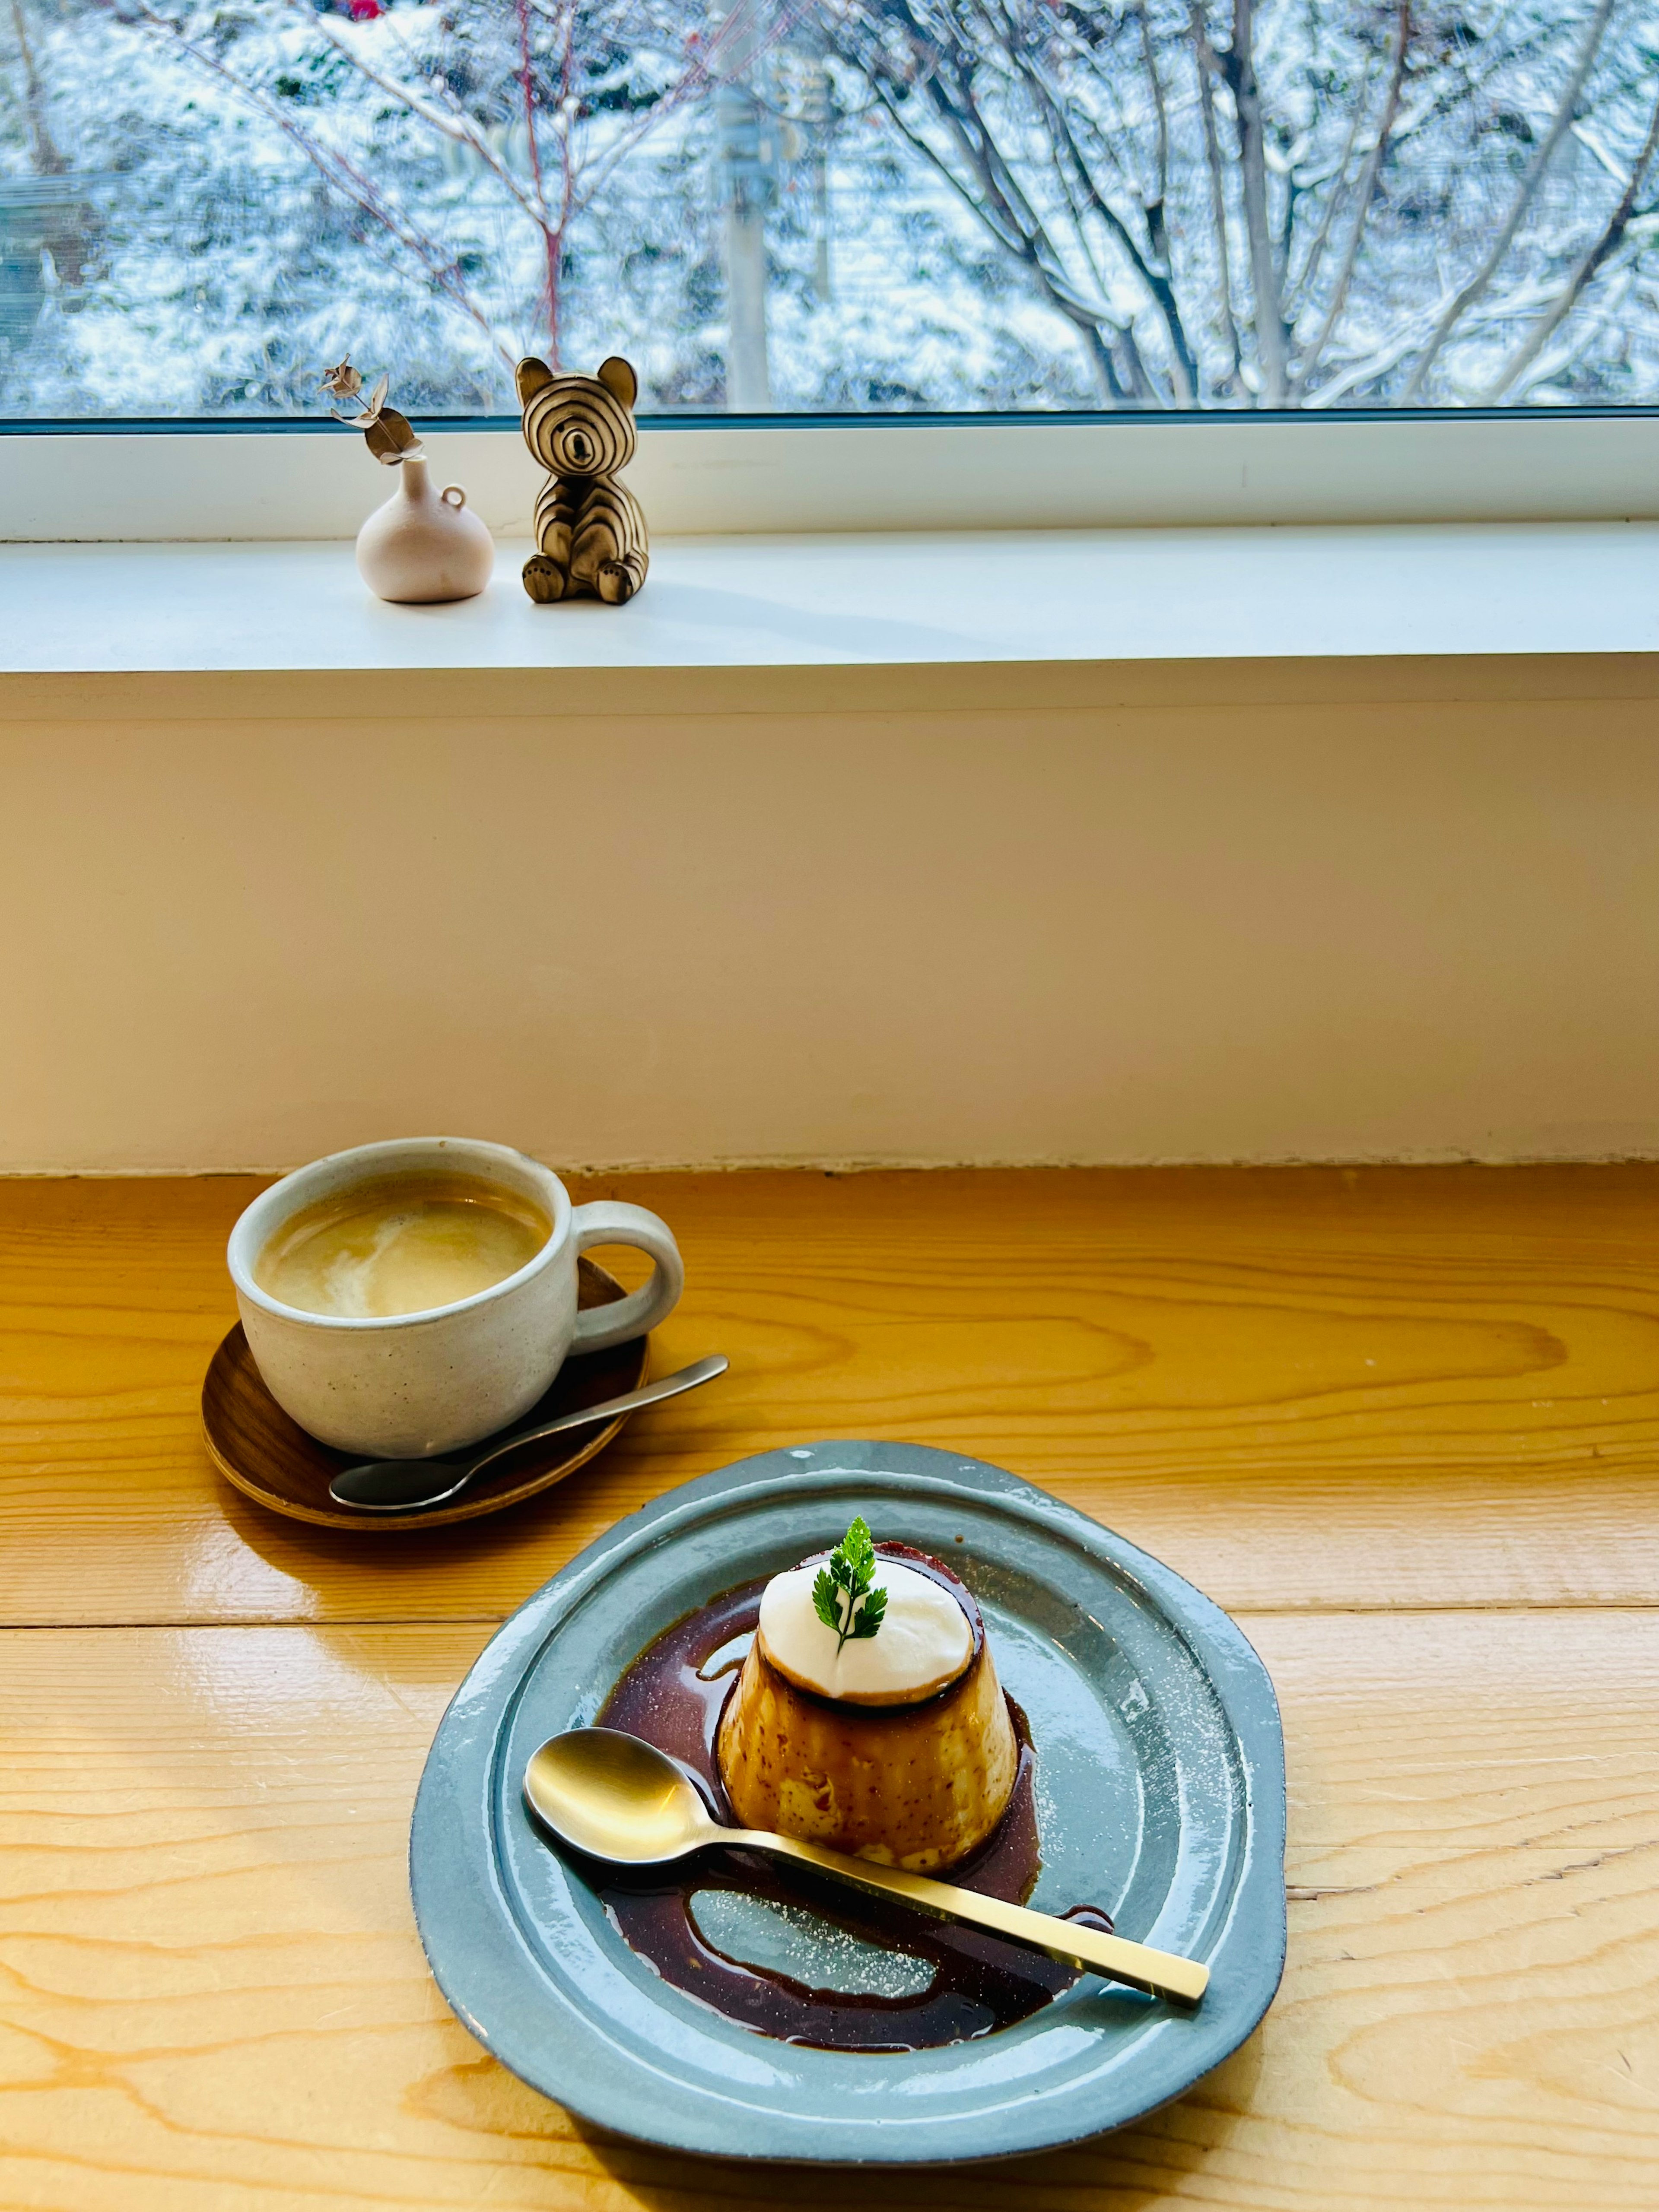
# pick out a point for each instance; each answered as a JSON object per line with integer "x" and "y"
{"x": 980, "y": 1982}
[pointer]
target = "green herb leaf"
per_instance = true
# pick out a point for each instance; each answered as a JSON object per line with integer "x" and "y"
{"x": 826, "y": 1600}
{"x": 870, "y": 1614}
{"x": 842, "y": 1596}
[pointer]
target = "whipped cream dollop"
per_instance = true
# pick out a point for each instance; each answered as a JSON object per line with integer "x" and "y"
{"x": 923, "y": 1643}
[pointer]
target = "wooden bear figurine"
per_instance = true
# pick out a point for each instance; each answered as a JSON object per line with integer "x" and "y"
{"x": 590, "y": 530}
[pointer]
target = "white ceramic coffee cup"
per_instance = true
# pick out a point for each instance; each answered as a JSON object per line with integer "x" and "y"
{"x": 408, "y": 1385}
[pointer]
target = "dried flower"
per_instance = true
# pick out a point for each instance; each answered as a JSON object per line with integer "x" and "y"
{"x": 387, "y": 433}
{"x": 343, "y": 381}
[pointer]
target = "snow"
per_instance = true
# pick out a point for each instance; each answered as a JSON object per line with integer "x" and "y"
{"x": 255, "y": 189}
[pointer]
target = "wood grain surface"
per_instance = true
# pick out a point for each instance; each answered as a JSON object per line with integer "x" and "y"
{"x": 1300, "y": 1387}
{"x": 1403, "y": 1422}
{"x": 214, "y": 1995}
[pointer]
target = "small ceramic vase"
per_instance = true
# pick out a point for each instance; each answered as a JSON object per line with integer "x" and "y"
{"x": 423, "y": 545}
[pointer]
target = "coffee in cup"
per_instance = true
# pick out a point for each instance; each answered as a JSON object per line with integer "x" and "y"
{"x": 401, "y": 1244}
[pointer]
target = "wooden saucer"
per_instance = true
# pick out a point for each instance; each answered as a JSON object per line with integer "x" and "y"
{"x": 269, "y": 1457}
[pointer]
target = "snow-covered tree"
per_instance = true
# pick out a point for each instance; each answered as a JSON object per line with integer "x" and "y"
{"x": 1303, "y": 204}
{"x": 940, "y": 204}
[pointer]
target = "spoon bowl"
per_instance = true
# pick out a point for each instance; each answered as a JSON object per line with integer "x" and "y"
{"x": 615, "y": 1797}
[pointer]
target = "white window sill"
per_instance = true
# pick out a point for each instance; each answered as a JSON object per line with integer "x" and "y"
{"x": 1104, "y": 604}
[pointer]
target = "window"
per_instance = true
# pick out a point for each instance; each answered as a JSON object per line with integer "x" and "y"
{"x": 865, "y": 206}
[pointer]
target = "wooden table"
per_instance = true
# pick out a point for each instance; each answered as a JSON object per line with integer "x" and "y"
{"x": 1402, "y": 1423}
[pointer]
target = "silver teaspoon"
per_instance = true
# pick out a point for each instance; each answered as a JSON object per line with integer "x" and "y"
{"x": 404, "y": 1485}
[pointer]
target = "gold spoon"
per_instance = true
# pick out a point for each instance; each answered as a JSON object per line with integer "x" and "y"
{"x": 617, "y": 1798}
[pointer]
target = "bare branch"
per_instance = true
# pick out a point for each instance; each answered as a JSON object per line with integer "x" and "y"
{"x": 454, "y": 125}
{"x": 1298, "y": 287}
{"x": 1161, "y": 148}
{"x": 1468, "y": 293}
{"x": 1156, "y": 281}
{"x": 552, "y": 233}
{"x": 1086, "y": 318}
{"x": 1208, "y": 71}
{"x": 1271, "y": 339}
{"x": 1612, "y": 234}
{"x": 43, "y": 157}
{"x": 341, "y": 175}
{"x": 1364, "y": 198}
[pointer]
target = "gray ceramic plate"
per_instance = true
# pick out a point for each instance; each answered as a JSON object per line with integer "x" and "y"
{"x": 1161, "y": 1795}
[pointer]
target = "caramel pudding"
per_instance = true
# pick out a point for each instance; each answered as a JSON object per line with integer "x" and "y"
{"x": 403, "y": 1244}
{"x": 894, "y": 1742}
{"x": 673, "y": 1695}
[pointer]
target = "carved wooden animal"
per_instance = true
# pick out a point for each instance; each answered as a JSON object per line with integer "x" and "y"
{"x": 590, "y": 530}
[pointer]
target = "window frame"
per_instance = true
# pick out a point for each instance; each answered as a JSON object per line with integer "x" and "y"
{"x": 262, "y": 481}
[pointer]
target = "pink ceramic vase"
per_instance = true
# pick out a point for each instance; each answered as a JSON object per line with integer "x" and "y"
{"x": 423, "y": 545}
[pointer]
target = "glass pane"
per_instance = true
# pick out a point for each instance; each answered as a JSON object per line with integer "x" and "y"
{"x": 866, "y": 205}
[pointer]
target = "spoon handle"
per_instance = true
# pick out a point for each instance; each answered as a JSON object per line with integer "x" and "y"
{"x": 1158, "y": 1972}
{"x": 648, "y": 1394}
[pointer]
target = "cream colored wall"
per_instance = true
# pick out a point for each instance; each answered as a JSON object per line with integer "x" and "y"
{"x": 1278, "y": 911}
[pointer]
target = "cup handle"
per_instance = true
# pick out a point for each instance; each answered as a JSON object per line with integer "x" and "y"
{"x": 609, "y": 1221}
